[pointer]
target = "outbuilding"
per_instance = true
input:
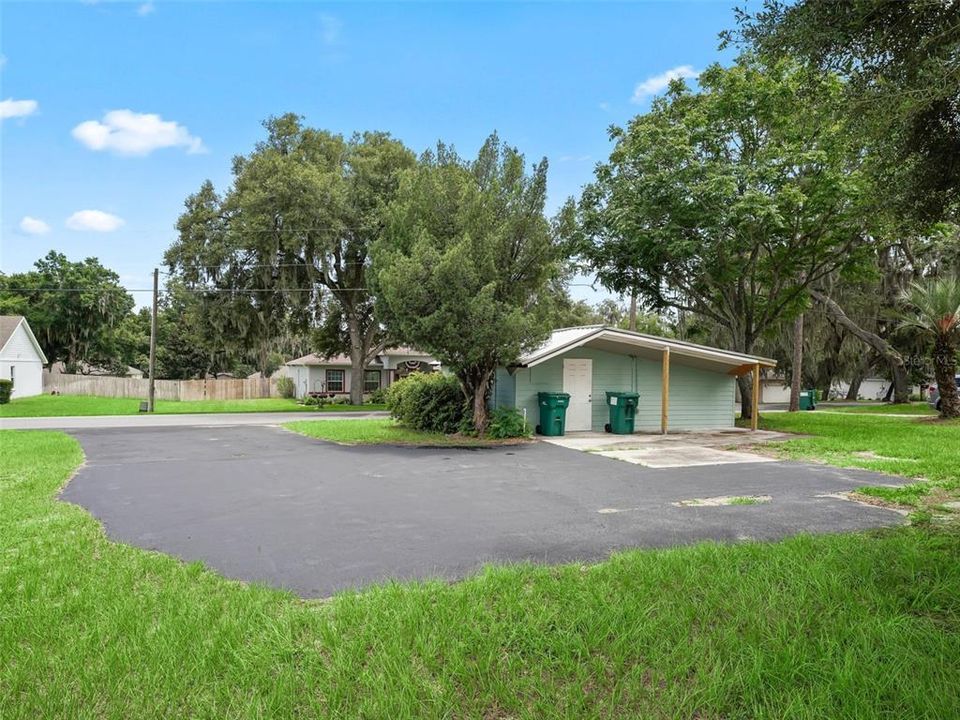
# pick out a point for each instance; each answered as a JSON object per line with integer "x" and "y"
{"x": 21, "y": 359}
{"x": 682, "y": 385}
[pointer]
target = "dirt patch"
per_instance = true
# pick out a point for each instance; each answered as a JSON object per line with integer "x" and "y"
{"x": 725, "y": 500}
{"x": 869, "y": 455}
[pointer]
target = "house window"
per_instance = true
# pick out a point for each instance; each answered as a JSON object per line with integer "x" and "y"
{"x": 12, "y": 369}
{"x": 371, "y": 380}
{"x": 334, "y": 380}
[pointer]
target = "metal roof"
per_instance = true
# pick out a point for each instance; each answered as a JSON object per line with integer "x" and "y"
{"x": 564, "y": 339}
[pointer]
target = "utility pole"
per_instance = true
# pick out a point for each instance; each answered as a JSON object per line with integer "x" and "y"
{"x": 797, "y": 377}
{"x": 153, "y": 340}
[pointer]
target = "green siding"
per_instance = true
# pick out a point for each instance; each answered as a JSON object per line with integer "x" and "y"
{"x": 504, "y": 389}
{"x": 699, "y": 399}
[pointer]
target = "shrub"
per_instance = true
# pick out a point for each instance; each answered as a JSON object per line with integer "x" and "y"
{"x": 378, "y": 396}
{"x": 6, "y": 388}
{"x": 341, "y": 400}
{"x": 432, "y": 402}
{"x": 286, "y": 387}
{"x": 315, "y": 401}
{"x": 507, "y": 423}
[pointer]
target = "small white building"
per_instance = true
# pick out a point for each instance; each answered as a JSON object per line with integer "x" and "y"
{"x": 21, "y": 359}
{"x": 332, "y": 375}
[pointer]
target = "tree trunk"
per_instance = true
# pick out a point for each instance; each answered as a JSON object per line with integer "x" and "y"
{"x": 945, "y": 370}
{"x": 797, "y": 376}
{"x": 853, "y": 391}
{"x": 475, "y": 387}
{"x": 745, "y": 383}
{"x": 901, "y": 392}
{"x": 633, "y": 311}
{"x": 357, "y": 356}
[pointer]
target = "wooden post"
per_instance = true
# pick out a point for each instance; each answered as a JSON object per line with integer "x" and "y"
{"x": 153, "y": 341}
{"x": 755, "y": 416}
{"x": 665, "y": 392}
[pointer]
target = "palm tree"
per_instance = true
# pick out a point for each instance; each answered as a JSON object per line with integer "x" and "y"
{"x": 935, "y": 312}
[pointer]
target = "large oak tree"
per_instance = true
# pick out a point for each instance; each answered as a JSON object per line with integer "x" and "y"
{"x": 294, "y": 230}
{"x": 728, "y": 202}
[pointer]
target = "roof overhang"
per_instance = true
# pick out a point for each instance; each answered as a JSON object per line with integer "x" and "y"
{"x": 653, "y": 347}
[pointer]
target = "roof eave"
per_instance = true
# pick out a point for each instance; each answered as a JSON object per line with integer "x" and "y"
{"x": 733, "y": 360}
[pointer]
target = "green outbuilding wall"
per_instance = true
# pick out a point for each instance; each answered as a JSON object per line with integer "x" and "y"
{"x": 699, "y": 399}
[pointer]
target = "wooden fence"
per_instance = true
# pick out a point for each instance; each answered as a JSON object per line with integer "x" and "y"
{"x": 219, "y": 389}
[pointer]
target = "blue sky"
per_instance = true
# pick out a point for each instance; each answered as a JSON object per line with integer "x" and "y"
{"x": 114, "y": 112}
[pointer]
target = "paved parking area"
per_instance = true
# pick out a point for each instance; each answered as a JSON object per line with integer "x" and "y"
{"x": 263, "y": 504}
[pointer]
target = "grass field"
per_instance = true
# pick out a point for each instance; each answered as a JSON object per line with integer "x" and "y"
{"x": 915, "y": 448}
{"x": 77, "y": 405}
{"x": 381, "y": 431}
{"x": 856, "y": 626}
{"x": 914, "y": 408}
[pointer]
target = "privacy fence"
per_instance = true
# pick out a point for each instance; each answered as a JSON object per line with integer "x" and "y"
{"x": 219, "y": 389}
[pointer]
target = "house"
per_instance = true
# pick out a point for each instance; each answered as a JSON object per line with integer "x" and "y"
{"x": 776, "y": 389}
{"x": 871, "y": 388}
{"x": 682, "y": 386}
{"x": 332, "y": 375}
{"x": 84, "y": 368}
{"x": 21, "y": 359}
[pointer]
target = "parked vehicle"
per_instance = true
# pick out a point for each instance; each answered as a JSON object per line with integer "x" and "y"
{"x": 935, "y": 394}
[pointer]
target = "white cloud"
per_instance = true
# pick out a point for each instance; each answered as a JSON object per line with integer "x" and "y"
{"x": 658, "y": 83}
{"x": 330, "y": 28}
{"x": 146, "y": 8}
{"x": 11, "y": 108}
{"x": 573, "y": 158}
{"x": 129, "y": 133}
{"x": 605, "y": 106}
{"x": 3, "y": 61}
{"x": 94, "y": 220}
{"x": 33, "y": 226}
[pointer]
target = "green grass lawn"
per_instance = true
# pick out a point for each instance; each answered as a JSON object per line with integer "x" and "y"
{"x": 858, "y": 626}
{"x": 381, "y": 431}
{"x": 915, "y": 448}
{"x": 914, "y": 408}
{"x": 75, "y": 405}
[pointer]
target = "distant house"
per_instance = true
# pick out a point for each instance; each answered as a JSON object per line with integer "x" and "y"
{"x": 84, "y": 368}
{"x": 333, "y": 375}
{"x": 21, "y": 359}
{"x": 776, "y": 389}
{"x": 682, "y": 386}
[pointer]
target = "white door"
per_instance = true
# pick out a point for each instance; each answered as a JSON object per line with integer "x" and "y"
{"x": 578, "y": 382}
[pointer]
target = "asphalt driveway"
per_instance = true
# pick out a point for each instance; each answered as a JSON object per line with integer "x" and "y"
{"x": 263, "y": 504}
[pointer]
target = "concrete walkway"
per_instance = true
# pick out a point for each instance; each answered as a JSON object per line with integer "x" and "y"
{"x": 184, "y": 420}
{"x": 674, "y": 450}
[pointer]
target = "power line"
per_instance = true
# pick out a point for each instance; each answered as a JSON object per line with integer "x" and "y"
{"x": 241, "y": 291}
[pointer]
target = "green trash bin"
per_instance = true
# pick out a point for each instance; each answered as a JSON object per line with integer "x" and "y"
{"x": 808, "y": 399}
{"x": 553, "y": 412}
{"x": 623, "y": 412}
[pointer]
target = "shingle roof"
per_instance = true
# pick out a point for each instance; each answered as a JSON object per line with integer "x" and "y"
{"x": 8, "y": 323}
{"x": 333, "y": 360}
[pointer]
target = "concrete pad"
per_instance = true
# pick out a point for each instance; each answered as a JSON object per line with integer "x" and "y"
{"x": 683, "y": 456}
{"x": 682, "y": 449}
